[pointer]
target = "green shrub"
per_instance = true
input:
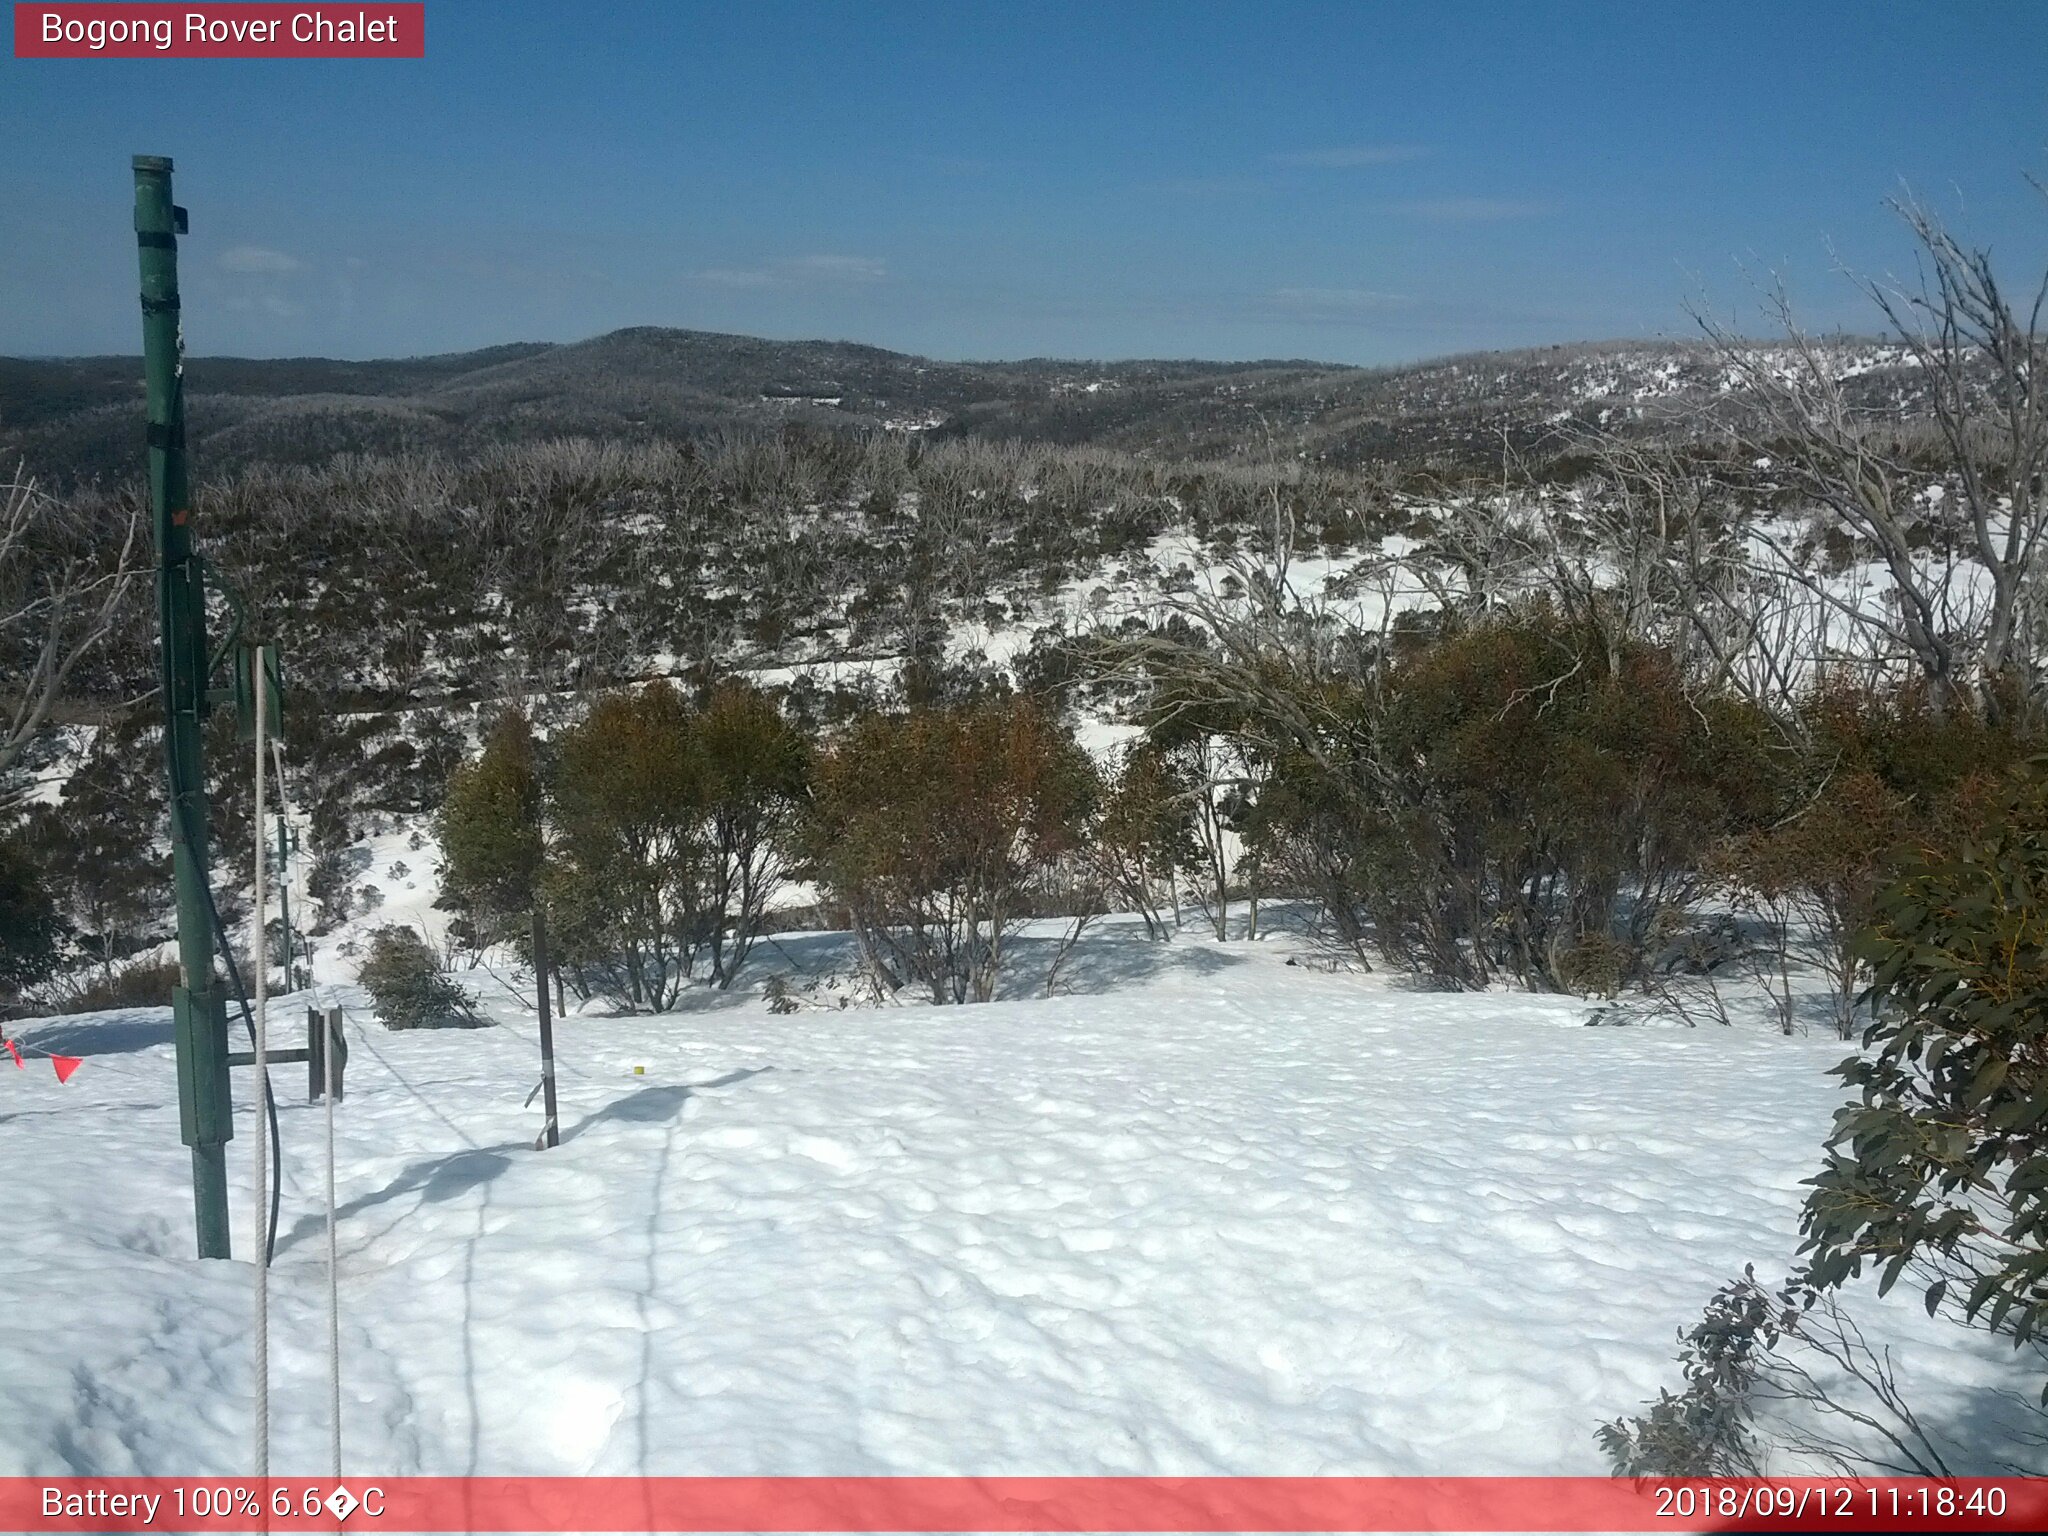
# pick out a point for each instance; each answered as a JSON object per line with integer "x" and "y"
{"x": 1941, "y": 1165}
{"x": 628, "y": 805}
{"x": 138, "y": 984}
{"x": 932, "y": 828}
{"x": 1706, "y": 1429}
{"x": 407, "y": 986}
{"x": 1495, "y": 800}
{"x": 1596, "y": 966}
{"x": 1143, "y": 835}
{"x": 1878, "y": 767}
{"x": 32, "y": 931}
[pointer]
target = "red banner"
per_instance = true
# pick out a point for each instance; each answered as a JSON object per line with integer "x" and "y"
{"x": 1018, "y": 1504}
{"x": 220, "y": 31}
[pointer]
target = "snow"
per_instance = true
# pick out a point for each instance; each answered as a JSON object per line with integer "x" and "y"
{"x": 1210, "y": 1212}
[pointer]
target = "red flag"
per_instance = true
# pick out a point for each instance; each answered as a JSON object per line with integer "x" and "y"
{"x": 66, "y": 1065}
{"x": 15, "y": 1051}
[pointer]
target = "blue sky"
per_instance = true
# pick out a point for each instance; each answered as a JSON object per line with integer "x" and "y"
{"x": 1356, "y": 182}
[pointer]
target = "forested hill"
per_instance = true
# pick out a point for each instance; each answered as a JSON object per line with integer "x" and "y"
{"x": 73, "y": 419}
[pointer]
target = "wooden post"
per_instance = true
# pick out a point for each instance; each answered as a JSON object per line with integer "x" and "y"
{"x": 550, "y": 1135}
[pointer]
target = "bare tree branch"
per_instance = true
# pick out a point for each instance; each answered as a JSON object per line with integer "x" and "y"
{"x": 59, "y": 597}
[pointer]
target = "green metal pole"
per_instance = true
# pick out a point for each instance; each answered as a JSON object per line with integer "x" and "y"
{"x": 205, "y": 1117}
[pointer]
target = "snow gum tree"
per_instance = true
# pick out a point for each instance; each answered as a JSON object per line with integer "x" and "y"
{"x": 756, "y": 770}
{"x": 490, "y": 830}
{"x": 931, "y": 829}
{"x": 629, "y": 791}
{"x": 1215, "y": 778}
{"x": 1501, "y": 799}
{"x": 1144, "y": 836}
{"x": 1562, "y": 804}
{"x": 671, "y": 829}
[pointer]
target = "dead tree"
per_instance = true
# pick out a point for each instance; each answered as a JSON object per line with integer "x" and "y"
{"x": 1971, "y": 624}
{"x": 1663, "y": 554}
{"x": 62, "y": 586}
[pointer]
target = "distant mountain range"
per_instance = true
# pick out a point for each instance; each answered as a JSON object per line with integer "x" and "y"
{"x": 77, "y": 418}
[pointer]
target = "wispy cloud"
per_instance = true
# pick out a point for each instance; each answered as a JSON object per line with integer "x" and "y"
{"x": 840, "y": 269}
{"x": 273, "y": 305}
{"x": 1473, "y": 210}
{"x": 256, "y": 258}
{"x": 1268, "y": 177}
{"x": 1209, "y": 186}
{"x": 735, "y": 277}
{"x": 1351, "y": 156}
{"x": 798, "y": 272}
{"x": 1335, "y": 303}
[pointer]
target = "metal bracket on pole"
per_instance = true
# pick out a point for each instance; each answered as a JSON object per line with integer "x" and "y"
{"x": 326, "y": 1053}
{"x": 205, "y": 1107}
{"x": 257, "y": 665}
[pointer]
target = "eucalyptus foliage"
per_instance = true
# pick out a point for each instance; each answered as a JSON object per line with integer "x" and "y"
{"x": 1941, "y": 1165}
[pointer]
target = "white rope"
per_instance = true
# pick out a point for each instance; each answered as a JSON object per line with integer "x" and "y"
{"x": 330, "y": 1030}
{"x": 261, "y": 966}
{"x": 330, "y": 1026}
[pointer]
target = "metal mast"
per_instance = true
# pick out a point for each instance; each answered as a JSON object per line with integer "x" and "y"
{"x": 205, "y": 1118}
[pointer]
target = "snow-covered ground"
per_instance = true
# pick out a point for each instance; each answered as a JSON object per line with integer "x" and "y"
{"x": 1208, "y": 1212}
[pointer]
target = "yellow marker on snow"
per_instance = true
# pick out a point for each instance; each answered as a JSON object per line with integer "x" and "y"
{"x": 639, "y": 1071}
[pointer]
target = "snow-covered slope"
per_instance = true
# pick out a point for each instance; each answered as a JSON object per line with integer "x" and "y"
{"x": 1211, "y": 1212}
